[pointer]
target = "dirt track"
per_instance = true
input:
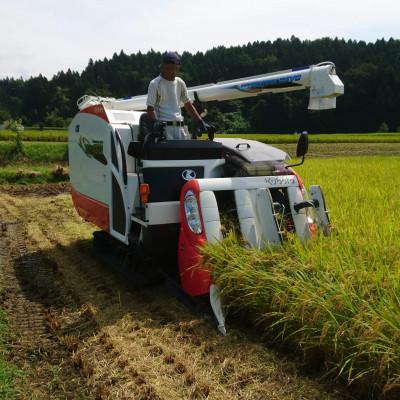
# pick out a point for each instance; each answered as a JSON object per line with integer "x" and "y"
{"x": 82, "y": 332}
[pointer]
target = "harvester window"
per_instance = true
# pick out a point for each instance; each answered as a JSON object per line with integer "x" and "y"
{"x": 114, "y": 152}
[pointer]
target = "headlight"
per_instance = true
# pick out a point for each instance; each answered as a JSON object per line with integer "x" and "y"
{"x": 192, "y": 212}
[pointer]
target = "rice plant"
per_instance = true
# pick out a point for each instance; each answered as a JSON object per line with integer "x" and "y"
{"x": 340, "y": 295}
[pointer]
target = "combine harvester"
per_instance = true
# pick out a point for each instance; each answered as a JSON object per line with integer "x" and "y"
{"x": 158, "y": 200}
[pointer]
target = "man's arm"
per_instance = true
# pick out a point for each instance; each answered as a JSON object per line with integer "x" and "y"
{"x": 151, "y": 101}
{"x": 202, "y": 125}
{"x": 185, "y": 100}
{"x": 190, "y": 108}
{"x": 151, "y": 114}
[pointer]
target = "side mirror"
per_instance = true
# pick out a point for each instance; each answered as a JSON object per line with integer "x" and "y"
{"x": 302, "y": 145}
{"x": 302, "y": 148}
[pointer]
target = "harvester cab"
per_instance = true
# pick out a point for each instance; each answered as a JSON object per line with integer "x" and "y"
{"x": 162, "y": 200}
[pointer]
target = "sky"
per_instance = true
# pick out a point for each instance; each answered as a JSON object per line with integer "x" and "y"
{"x": 47, "y": 36}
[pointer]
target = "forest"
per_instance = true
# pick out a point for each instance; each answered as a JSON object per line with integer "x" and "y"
{"x": 370, "y": 72}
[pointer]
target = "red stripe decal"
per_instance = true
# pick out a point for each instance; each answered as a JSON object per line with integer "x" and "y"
{"x": 91, "y": 210}
{"x": 97, "y": 110}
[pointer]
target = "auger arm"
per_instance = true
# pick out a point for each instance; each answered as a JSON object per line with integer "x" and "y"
{"x": 321, "y": 79}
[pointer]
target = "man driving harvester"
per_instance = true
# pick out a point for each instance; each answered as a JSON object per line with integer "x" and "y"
{"x": 166, "y": 95}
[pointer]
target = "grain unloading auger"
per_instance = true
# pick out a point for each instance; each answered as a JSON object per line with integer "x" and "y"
{"x": 162, "y": 200}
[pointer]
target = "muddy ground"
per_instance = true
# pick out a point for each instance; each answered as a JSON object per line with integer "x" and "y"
{"x": 81, "y": 331}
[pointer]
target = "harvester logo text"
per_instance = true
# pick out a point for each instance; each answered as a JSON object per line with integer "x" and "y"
{"x": 281, "y": 181}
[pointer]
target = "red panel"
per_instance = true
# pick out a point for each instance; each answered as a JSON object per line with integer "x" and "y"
{"x": 97, "y": 110}
{"x": 195, "y": 277}
{"x": 299, "y": 181}
{"x": 91, "y": 210}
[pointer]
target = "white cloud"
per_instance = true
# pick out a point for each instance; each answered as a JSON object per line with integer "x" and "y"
{"x": 46, "y": 36}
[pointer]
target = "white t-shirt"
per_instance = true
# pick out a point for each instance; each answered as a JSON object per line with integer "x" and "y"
{"x": 167, "y": 98}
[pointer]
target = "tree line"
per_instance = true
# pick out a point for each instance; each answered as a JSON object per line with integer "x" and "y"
{"x": 370, "y": 72}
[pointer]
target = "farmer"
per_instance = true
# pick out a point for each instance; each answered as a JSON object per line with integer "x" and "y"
{"x": 166, "y": 95}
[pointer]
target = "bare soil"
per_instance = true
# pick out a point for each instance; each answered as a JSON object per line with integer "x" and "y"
{"x": 37, "y": 190}
{"x": 81, "y": 331}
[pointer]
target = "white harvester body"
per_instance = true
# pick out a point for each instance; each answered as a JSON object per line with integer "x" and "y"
{"x": 168, "y": 198}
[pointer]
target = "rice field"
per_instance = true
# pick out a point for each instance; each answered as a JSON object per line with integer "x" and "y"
{"x": 34, "y": 135}
{"x": 322, "y": 137}
{"x": 59, "y": 135}
{"x": 34, "y": 153}
{"x": 335, "y": 299}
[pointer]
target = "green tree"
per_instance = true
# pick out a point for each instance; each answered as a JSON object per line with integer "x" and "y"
{"x": 383, "y": 127}
{"x": 369, "y": 71}
{"x": 16, "y": 127}
{"x": 52, "y": 119}
{"x": 4, "y": 115}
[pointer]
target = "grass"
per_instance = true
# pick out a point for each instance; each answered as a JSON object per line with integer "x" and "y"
{"x": 25, "y": 173}
{"x": 48, "y": 135}
{"x": 8, "y": 373}
{"x": 338, "y": 297}
{"x": 41, "y": 162}
{"x": 35, "y": 152}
